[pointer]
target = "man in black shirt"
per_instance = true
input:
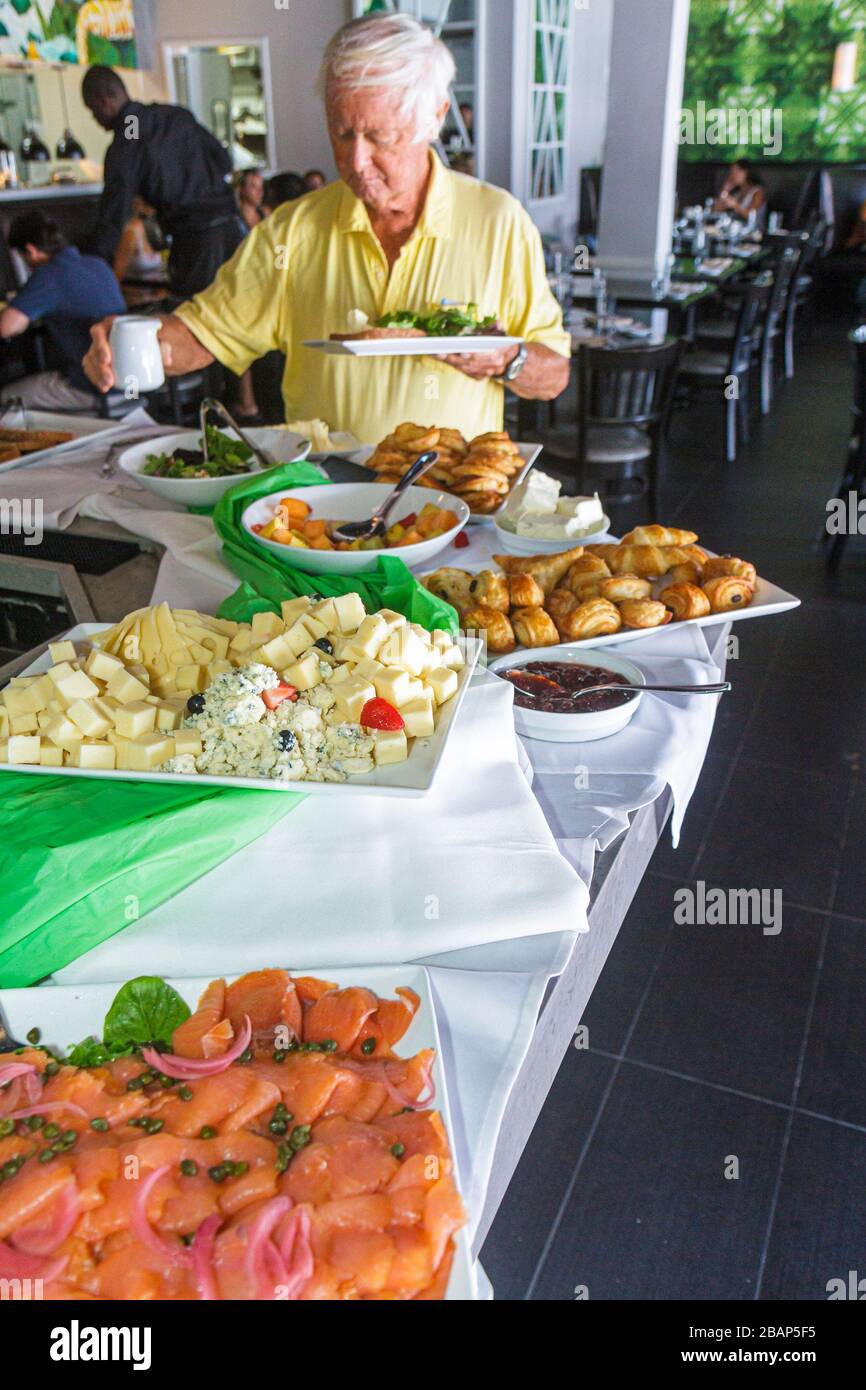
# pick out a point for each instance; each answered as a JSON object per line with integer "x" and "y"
{"x": 163, "y": 154}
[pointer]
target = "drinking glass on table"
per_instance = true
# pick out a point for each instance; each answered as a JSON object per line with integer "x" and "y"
{"x": 599, "y": 290}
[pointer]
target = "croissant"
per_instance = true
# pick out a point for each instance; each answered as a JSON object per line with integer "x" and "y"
{"x": 623, "y": 586}
{"x": 547, "y": 569}
{"x": 524, "y": 591}
{"x": 595, "y": 618}
{"x": 644, "y": 612}
{"x": 534, "y": 628}
{"x": 688, "y": 573}
{"x": 647, "y": 561}
{"x": 583, "y": 576}
{"x": 490, "y": 590}
{"x": 560, "y": 603}
{"x": 659, "y": 535}
{"x": 450, "y": 584}
{"x": 495, "y": 626}
{"x": 728, "y": 564}
{"x": 726, "y": 592}
{"x": 685, "y": 601}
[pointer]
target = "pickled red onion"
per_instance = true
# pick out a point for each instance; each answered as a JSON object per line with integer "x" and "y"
{"x": 190, "y": 1068}
{"x": 16, "y": 1264}
{"x": 261, "y": 1251}
{"x": 202, "y": 1258}
{"x": 45, "y": 1109}
{"x": 297, "y": 1252}
{"x": 141, "y": 1227}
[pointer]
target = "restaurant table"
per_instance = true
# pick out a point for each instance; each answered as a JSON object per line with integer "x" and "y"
{"x": 507, "y": 1009}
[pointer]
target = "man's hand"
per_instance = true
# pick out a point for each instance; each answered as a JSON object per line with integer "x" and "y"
{"x": 481, "y": 365}
{"x": 543, "y": 377}
{"x": 181, "y": 352}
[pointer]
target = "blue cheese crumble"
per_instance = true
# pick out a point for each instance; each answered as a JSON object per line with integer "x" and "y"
{"x": 301, "y": 740}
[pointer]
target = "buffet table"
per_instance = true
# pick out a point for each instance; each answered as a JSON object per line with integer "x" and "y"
{"x": 537, "y": 882}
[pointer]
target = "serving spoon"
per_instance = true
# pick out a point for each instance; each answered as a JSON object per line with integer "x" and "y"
{"x": 365, "y": 530}
{"x": 720, "y": 688}
{"x": 211, "y": 404}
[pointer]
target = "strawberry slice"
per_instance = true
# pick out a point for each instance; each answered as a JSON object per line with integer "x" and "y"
{"x": 409, "y": 520}
{"x": 461, "y": 540}
{"x": 379, "y": 714}
{"x": 277, "y": 694}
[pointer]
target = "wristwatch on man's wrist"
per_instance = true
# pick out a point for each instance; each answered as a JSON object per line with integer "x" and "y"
{"x": 515, "y": 366}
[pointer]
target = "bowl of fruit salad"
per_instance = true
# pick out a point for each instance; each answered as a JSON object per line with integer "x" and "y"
{"x": 299, "y": 526}
{"x": 174, "y": 465}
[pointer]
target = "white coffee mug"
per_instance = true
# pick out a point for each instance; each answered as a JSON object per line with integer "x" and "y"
{"x": 137, "y": 360}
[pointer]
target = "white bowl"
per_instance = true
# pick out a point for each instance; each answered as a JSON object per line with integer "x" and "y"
{"x": 573, "y": 728}
{"x": 354, "y": 502}
{"x": 285, "y": 447}
{"x": 512, "y": 544}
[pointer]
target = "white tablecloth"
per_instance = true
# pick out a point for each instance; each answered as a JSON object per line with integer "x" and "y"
{"x": 335, "y": 889}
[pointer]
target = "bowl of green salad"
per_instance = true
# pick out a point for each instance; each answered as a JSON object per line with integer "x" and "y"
{"x": 176, "y": 467}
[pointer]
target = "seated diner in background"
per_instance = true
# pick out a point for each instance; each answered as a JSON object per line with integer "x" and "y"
{"x": 282, "y": 188}
{"x": 68, "y": 292}
{"x": 742, "y": 192}
{"x": 397, "y": 231}
{"x": 315, "y": 178}
{"x": 139, "y": 257}
{"x": 249, "y": 192}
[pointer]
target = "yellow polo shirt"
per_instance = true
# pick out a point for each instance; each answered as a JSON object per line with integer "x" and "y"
{"x": 299, "y": 273}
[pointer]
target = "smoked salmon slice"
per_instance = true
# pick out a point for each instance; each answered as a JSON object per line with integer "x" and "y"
{"x": 301, "y": 1159}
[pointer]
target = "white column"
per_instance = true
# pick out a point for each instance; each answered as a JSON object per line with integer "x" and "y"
{"x": 648, "y": 54}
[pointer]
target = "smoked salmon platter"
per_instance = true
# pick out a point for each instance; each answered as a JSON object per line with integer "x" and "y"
{"x": 271, "y": 1138}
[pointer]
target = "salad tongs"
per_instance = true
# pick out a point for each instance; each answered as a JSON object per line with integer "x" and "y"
{"x": 210, "y": 403}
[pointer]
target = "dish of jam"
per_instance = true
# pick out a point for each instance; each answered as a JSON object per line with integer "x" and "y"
{"x": 548, "y": 686}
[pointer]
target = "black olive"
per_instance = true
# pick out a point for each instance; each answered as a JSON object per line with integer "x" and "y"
{"x": 325, "y": 646}
{"x": 195, "y": 704}
{"x": 286, "y": 740}
{"x": 316, "y": 598}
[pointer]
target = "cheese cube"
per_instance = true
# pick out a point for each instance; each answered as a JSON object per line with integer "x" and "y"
{"x": 107, "y": 706}
{"x": 314, "y": 626}
{"x": 397, "y": 687}
{"x": 58, "y": 672}
{"x": 218, "y": 667}
{"x": 390, "y": 747}
{"x": 62, "y": 651}
{"x": 298, "y": 638}
{"x": 88, "y": 719}
{"x": 441, "y": 639}
{"x": 43, "y": 719}
{"x": 369, "y": 669}
{"x": 195, "y": 679}
{"x": 21, "y": 700}
{"x": 25, "y": 723}
{"x": 326, "y": 612}
{"x": 4, "y": 720}
{"x": 41, "y": 691}
{"x": 443, "y": 683}
{"x": 187, "y": 741}
{"x": 148, "y": 751}
{"x": 420, "y": 632}
{"x": 265, "y": 626}
{"x": 121, "y": 748}
{"x": 352, "y": 695}
{"x": 217, "y": 643}
{"x": 350, "y": 611}
{"x": 126, "y": 688}
{"x": 277, "y": 653}
{"x": 134, "y": 719}
{"x": 392, "y": 619}
{"x": 63, "y": 732}
{"x": 339, "y": 674}
{"x": 50, "y": 755}
{"x": 23, "y": 748}
{"x": 404, "y": 648}
{"x": 452, "y": 657}
{"x": 100, "y": 756}
{"x": 169, "y": 715}
{"x": 100, "y": 666}
{"x": 303, "y": 674}
{"x": 418, "y": 718}
{"x": 242, "y": 640}
{"x": 368, "y": 639}
{"x": 292, "y": 608}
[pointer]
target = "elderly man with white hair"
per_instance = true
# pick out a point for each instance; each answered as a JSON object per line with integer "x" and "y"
{"x": 397, "y": 231}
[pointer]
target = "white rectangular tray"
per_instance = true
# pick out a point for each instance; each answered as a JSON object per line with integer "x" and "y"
{"x": 83, "y": 427}
{"x": 530, "y": 454}
{"x": 769, "y": 599}
{"x": 414, "y": 777}
{"x": 410, "y": 347}
{"x": 65, "y": 1014}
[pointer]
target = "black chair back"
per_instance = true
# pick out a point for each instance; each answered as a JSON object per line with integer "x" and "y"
{"x": 753, "y": 305}
{"x": 626, "y": 386}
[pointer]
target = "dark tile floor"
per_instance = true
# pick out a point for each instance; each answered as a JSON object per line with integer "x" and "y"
{"x": 711, "y": 1142}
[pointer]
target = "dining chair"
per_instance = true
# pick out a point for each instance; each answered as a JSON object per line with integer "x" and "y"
{"x": 853, "y": 479}
{"x": 624, "y": 396}
{"x": 802, "y": 288}
{"x": 729, "y": 364}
